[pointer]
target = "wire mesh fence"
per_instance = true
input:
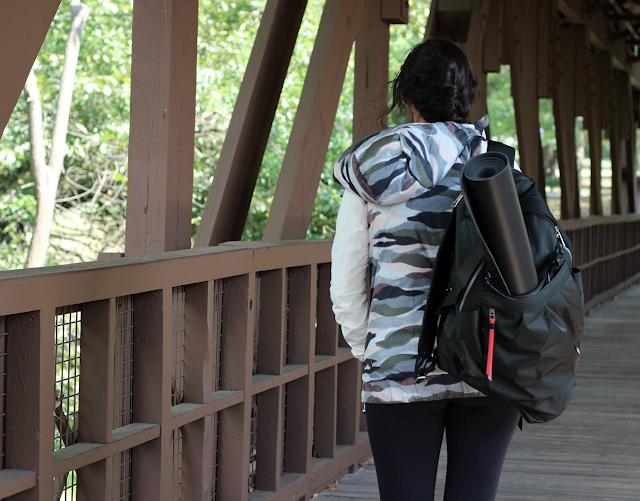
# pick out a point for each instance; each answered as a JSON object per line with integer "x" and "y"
{"x": 176, "y": 465}
{"x": 256, "y": 326}
{"x": 121, "y": 476}
{"x": 218, "y": 296}
{"x": 3, "y": 390}
{"x": 123, "y": 363}
{"x": 177, "y": 379}
{"x": 215, "y": 460}
{"x": 253, "y": 444}
{"x": 65, "y": 487}
{"x": 67, "y": 382}
{"x": 285, "y": 389}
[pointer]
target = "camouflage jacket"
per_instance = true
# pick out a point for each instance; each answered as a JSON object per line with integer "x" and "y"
{"x": 407, "y": 178}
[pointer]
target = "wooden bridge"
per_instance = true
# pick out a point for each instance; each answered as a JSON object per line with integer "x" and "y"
{"x": 218, "y": 372}
{"x": 592, "y": 451}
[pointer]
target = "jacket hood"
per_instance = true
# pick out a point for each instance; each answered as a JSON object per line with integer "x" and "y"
{"x": 398, "y": 164}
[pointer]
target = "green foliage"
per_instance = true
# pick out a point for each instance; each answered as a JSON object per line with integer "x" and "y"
{"x": 93, "y": 188}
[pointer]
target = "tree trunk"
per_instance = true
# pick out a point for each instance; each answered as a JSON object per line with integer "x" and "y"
{"x": 47, "y": 176}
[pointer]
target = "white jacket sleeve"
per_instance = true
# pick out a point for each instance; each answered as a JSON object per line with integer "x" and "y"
{"x": 349, "y": 264}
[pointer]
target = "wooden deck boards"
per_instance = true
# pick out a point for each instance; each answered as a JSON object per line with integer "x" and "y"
{"x": 592, "y": 452}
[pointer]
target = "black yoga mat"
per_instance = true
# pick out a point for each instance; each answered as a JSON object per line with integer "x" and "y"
{"x": 491, "y": 196}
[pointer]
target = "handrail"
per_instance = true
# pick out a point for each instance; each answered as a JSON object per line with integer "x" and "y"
{"x": 213, "y": 366}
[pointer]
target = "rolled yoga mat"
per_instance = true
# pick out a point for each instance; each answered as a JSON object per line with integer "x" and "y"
{"x": 491, "y": 196}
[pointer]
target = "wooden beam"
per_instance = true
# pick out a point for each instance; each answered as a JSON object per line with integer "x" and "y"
{"x": 306, "y": 152}
{"x": 593, "y": 122}
{"x": 30, "y": 379}
{"x": 237, "y": 171}
{"x": 596, "y": 23}
{"x": 572, "y": 10}
{"x": 370, "y": 92}
{"x": 161, "y": 146}
{"x": 152, "y": 387}
{"x": 564, "y": 113}
{"x": 393, "y": 11}
{"x": 473, "y": 48}
{"x": 620, "y": 82}
{"x": 632, "y": 181}
{"x": 96, "y": 393}
{"x": 581, "y": 71}
{"x": 522, "y": 40}
{"x": 23, "y": 27}
{"x": 545, "y": 19}
{"x": 492, "y": 38}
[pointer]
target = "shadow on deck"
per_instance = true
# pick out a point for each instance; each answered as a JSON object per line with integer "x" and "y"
{"x": 592, "y": 452}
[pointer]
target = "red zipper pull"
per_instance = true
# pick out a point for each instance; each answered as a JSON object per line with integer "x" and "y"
{"x": 492, "y": 333}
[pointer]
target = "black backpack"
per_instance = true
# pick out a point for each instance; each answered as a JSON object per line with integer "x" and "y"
{"x": 537, "y": 335}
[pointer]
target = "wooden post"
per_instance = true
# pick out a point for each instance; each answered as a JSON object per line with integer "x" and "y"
{"x": 370, "y": 92}
{"x": 23, "y": 27}
{"x": 198, "y": 387}
{"x": 30, "y": 381}
{"x": 327, "y": 331}
{"x": 325, "y": 412}
{"x": 235, "y": 422}
{"x": 269, "y": 440}
{"x": 348, "y": 402}
{"x": 96, "y": 393}
{"x": 594, "y": 127}
{"x": 564, "y": 113}
{"x": 152, "y": 392}
{"x": 272, "y": 324}
{"x": 237, "y": 170}
{"x": 306, "y": 152}
{"x": 161, "y": 146}
{"x": 617, "y": 142}
{"x": 632, "y": 182}
{"x": 522, "y": 41}
{"x": 302, "y": 316}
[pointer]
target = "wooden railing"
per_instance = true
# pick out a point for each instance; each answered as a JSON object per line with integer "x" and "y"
{"x": 206, "y": 374}
{"x": 607, "y": 250}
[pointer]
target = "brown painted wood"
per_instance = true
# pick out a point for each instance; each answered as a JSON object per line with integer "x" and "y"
{"x": 269, "y": 437}
{"x": 30, "y": 379}
{"x": 79, "y": 455}
{"x": 564, "y": 113}
{"x": 161, "y": 141}
{"x": 237, "y": 353}
{"x": 327, "y": 330}
{"x": 227, "y": 206}
{"x": 152, "y": 391}
{"x": 522, "y": 42}
{"x": 272, "y": 321}
{"x": 544, "y": 50}
{"x": 302, "y": 314}
{"x": 370, "y": 92}
{"x": 632, "y": 181}
{"x": 96, "y": 367}
{"x": 492, "y": 39}
{"x": 96, "y": 393}
{"x": 299, "y": 416}
{"x": 196, "y": 460}
{"x": 16, "y": 481}
{"x": 23, "y": 27}
{"x": 582, "y": 82}
{"x": 348, "y": 402}
{"x": 617, "y": 143}
{"x": 393, "y": 11}
{"x": 325, "y": 413}
{"x": 593, "y": 121}
{"x": 306, "y": 152}
{"x": 198, "y": 342}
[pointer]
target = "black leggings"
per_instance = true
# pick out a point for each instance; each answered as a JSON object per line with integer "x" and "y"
{"x": 406, "y": 440}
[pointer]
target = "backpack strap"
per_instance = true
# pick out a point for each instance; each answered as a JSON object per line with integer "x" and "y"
{"x": 508, "y": 151}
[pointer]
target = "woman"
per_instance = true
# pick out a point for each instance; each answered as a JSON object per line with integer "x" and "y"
{"x": 399, "y": 187}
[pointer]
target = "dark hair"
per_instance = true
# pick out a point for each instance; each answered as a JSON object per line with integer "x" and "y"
{"x": 438, "y": 79}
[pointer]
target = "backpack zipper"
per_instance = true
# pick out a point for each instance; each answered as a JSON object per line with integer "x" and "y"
{"x": 474, "y": 277}
{"x": 457, "y": 201}
{"x": 555, "y": 225}
{"x": 492, "y": 334}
